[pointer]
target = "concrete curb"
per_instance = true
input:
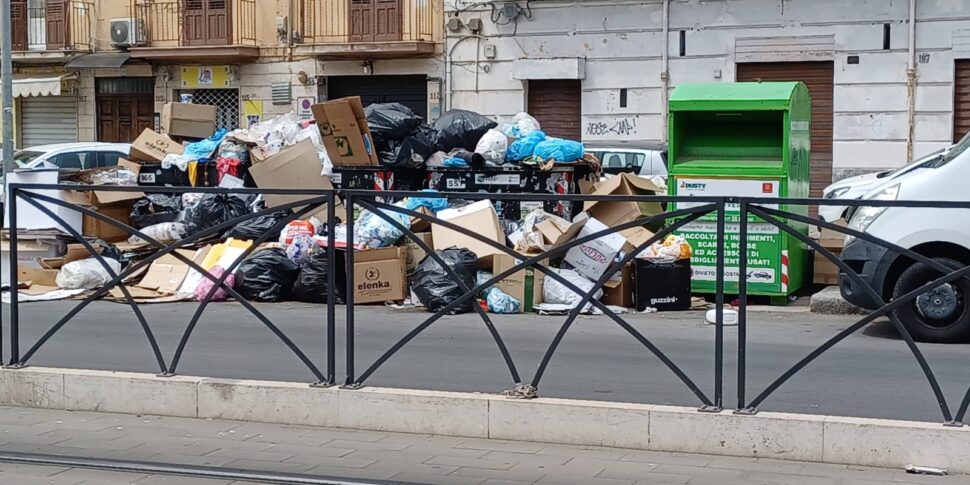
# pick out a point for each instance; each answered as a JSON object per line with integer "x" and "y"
{"x": 829, "y": 301}
{"x": 831, "y": 439}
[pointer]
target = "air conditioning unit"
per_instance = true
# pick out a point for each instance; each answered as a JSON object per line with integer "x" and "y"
{"x": 128, "y": 32}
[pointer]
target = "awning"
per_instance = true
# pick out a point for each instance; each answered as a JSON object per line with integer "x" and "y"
{"x": 25, "y": 85}
{"x": 99, "y": 60}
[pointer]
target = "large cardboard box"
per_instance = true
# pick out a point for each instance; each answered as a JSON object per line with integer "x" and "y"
{"x": 557, "y": 231}
{"x": 479, "y": 217}
{"x": 152, "y": 146}
{"x": 116, "y": 205}
{"x": 30, "y": 217}
{"x": 346, "y": 135}
{"x": 296, "y": 167}
{"x": 615, "y": 213}
{"x": 37, "y": 276}
{"x": 831, "y": 239}
{"x": 592, "y": 258}
{"x": 188, "y": 120}
{"x": 524, "y": 285}
{"x": 414, "y": 252}
{"x": 380, "y": 275}
{"x": 29, "y": 255}
{"x": 619, "y": 291}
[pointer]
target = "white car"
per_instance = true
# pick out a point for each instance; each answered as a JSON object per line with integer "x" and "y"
{"x": 644, "y": 159}
{"x": 71, "y": 156}
{"x": 858, "y": 186}
{"x": 943, "y": 313}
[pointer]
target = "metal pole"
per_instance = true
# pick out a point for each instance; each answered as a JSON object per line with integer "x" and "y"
{"x": 742, "y": 303}
{"x": 719, "y": 309}
{"x": 6, "y": 79}
{"x": 349, "y": 326}
{"x": 331, "y": 290}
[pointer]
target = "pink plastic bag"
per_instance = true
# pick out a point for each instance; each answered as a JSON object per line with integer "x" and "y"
{"x": 205, "y": 286}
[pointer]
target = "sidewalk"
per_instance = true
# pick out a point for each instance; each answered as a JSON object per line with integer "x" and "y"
{"x": 375, "y": 456}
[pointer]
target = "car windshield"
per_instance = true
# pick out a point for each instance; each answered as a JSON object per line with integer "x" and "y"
{"x": 24, "y": 157}
{"x": 950, "y": 154}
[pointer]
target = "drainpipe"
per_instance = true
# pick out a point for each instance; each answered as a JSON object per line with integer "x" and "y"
{"x": 911, "y": 82}
{"x": 664, "y": 73}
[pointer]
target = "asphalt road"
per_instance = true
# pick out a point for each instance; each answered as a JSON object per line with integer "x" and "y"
{"x": 870, "y": 374}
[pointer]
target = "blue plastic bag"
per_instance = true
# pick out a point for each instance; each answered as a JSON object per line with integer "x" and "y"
{"x": 501, "y": 302}
{"x": 372, "y": 231}
{"x": 434, "y": 203}
{"x": 563, "y": 151}
{"x": 524, "y": 147}
{"x": 455, "y": 162}
{"x": 204, "y": 148}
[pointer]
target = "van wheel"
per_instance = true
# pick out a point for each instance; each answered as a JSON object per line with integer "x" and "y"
{"x": 939, "y": 315}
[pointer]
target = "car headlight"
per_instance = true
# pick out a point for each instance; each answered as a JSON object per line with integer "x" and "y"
{"x": 864, "y": 216}
{"x": 837, "y": 193}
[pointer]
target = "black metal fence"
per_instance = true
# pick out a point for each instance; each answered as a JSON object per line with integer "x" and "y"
{"x": 785, "y": 214}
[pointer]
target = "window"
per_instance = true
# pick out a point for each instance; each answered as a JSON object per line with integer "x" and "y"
{"x": 23, "y": 158}
{"x": 74, "y": 160}
{"x": 109, "y": 159}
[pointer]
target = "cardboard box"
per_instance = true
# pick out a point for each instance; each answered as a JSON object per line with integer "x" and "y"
{"x": 826, "y": 272}
{"x": 116, "y": 205}
{"x": 524, "y": 285}
{"x": 831, "y": 239}
{"x": 188, "y": 120}
{"x": 346, "y": 135}
{"x": 479, "y": 217}
{"x": 151, "y": 146}
{"x": 37, "y": 276}
{"x": 414, "y": 252}
{"x": 166, "y": 274}
{"x": 29, "y": 255}
{"x": 558, "y": 231}
{"x": 619, "y": 292}
{"x": 30, "y": 217}
{"x": 616, "y": 213}
{"x": 380, "y": 275}
{"x": 592, "y": 258}
{"x": 296, "y": 167}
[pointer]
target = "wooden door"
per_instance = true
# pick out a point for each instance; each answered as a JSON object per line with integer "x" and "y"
{"x": 388, "y": 20}
{"x": 206, "y": 22}
{"x": 961, "y": 100}
{"x": 18, "y": 24}
{"x": 361, "y": 20}
{"x": 121, "y": 118}
{"x": 818, "y": 76}
{"x": 57, "y": 25}
{"x": 557, "y": 105}
{"x": 217, "y": 22}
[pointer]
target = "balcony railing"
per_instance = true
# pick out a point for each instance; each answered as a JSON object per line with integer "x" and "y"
{"x": 361, "y": 21}
{"x": 175, "y": 23}
{"x": 56, "y": 26}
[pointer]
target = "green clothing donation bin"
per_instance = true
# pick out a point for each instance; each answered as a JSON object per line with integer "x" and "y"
{"x": 742, "y": 140}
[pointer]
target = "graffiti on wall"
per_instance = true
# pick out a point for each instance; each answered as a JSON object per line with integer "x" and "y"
{"x": 612, "y": 127}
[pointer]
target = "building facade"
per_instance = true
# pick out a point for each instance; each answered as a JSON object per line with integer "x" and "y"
{"x": 103, "y": 71}
{"x": 601, "y": 70}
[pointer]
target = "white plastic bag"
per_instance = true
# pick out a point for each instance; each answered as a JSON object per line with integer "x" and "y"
{"x": 554, "y": 292}
{"x": 86, "y": 274}
{"x": 165, "y": 232}
{"x": 493, "y": 146}
{"x": 372, "y": 231}
{"x": 523, "y": 124}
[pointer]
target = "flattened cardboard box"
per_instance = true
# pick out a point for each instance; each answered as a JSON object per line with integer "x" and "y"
{"x": 346, "y": 135}
{"x": 188, "y": 120}
{"x": 151, "y": 146}
{"x": 380, "y": 275}
{"x": 523, "y": 285}
{"x": 414, "y": 252}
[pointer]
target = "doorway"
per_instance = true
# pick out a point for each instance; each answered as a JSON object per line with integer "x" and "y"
{"x": 375, "y": 20}
{"x": 126, "y": 106}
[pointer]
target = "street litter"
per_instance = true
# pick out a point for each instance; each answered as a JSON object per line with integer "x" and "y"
{"x": 729, "y": 317}
{"x": 925, "y": 470}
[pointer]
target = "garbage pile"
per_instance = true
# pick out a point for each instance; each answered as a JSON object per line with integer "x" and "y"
{"x": 277, "y": 256}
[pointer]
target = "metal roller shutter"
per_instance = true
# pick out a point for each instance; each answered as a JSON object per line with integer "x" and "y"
{"x": 961, "y": 100}
{"x": 557, "y": 105}
{"x": 48, "y": 119}
{"x": 818, "y": 76}
{"x": 411, "y": 91}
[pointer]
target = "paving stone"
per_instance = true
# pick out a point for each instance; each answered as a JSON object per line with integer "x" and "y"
{"x": 269, "y": 466}
{"x": 497, "y": 445}
{"x": 433, "y": 479}
{"x": 491, "y": 473}
{"x": 315, "y": 460}
{"x": 471, "y": 462}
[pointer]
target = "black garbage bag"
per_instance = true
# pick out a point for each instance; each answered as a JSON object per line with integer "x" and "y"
{"x": 436, "y": 288}
{"x": 254, "y": 228}
{"x": 267, "y": 275}
{"x": 413, "y": 150}
{"x": 212, "y": 210}
{"x": 460, "y": 128}
{"x": 390, "y": 121}
{"x": 474, "y": 160}
{"x": 311, "y": 285}
{"x": 155, "y": 209}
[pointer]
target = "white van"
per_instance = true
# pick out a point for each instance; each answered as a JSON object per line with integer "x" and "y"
{"x": 939, "y": 315}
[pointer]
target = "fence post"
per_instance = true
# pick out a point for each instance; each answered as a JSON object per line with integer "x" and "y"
{"x": 14, "y": 293}
{"x": 742, "y": 305}
{"x": 331, "y": 290}
{"x": 349, "y": 327}
{"x": 719, "y": 310}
